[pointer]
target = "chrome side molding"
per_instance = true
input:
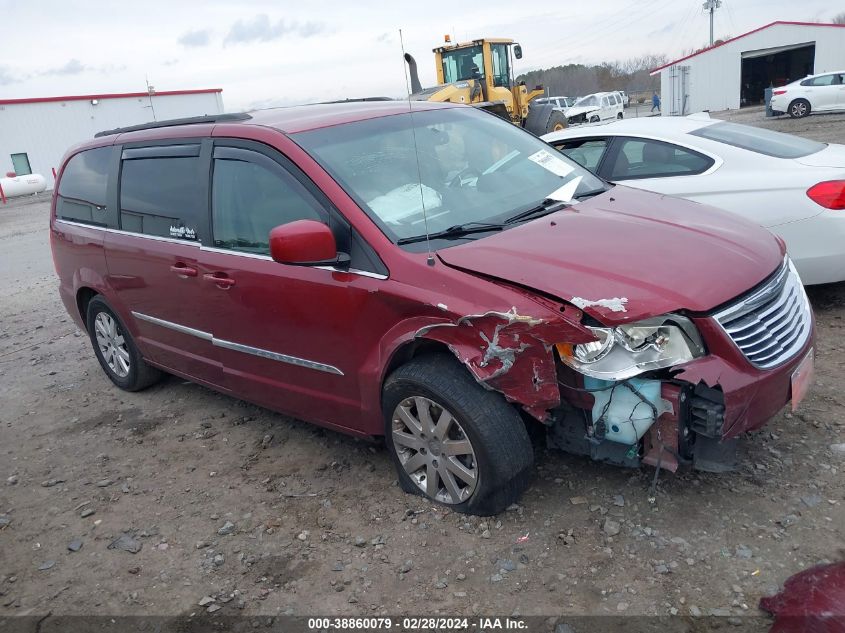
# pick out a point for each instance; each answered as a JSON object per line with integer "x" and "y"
{"x": 238, "y": 347}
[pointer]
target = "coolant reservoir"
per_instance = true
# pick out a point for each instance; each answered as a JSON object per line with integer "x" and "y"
{"x": 23, "y": 185}
{"x": 626, "y": 415}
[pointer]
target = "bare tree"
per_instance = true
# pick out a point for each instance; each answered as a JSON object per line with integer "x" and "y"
{"x": 839, "y": 19}
{"x": 632, "y": 75}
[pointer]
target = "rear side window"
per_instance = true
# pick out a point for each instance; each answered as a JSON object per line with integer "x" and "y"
{"x": 250, "y": 195}
{"x": 163, "y": 196}
{"x": 83, "y": 188}
{"x": 824, "y": 80}
{"x": 646, "y": 158}
{"x": 758, "y": 140}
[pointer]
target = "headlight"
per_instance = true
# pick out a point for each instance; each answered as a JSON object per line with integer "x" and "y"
{"x": 629, "y": 350}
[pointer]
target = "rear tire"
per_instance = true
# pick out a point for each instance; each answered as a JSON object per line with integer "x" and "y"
{"x": 115, "y": 350}
{"x": 489, "y": 456}
{"x": 799, "y": 108}
{"x": 620, "y": 116}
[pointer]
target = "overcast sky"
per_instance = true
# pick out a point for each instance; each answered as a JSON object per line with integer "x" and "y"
{"x": 265, "y": 53}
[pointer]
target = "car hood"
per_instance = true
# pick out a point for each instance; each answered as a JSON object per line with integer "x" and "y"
{"x": 576, "y": 110}
{"x": 831, "y": 156}
{"x": 627, "y": 255}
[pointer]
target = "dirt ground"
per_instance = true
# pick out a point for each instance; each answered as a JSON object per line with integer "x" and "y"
{"x": 250, "y": 512}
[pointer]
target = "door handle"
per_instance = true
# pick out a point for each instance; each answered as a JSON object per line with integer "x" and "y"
{"x": 222, "y": 280}
{"x": 183, "y": 270}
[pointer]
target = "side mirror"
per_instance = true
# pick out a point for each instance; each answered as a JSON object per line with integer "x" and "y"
{"x": 305, "y": 243}
{"x": 517, "y": 51}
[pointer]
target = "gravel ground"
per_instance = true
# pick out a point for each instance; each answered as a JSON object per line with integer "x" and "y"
{"x": 158, "y": 502}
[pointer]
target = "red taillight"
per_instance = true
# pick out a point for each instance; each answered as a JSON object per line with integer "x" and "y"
{"x": 779, "y": 92}
{"x": 829, "y": 194}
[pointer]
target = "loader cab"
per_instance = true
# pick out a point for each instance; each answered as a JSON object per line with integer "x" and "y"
{"x": 491, "y": 58}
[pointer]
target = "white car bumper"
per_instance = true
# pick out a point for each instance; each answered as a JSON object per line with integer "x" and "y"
{"x": 780, "y": 103}
{"x": 817, "y": 246}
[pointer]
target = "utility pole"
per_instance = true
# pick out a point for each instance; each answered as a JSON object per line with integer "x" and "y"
{"x": 711, "y": 6}
{"x": 150, "y": 92}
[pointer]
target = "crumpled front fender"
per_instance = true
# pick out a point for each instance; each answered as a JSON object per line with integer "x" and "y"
{"x": 512, "y": 351}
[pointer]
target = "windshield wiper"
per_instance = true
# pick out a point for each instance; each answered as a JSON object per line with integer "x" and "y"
{"x": 549, "y": 205}
{"x": 589, "y": 194}
{"x": 453, "y": 232}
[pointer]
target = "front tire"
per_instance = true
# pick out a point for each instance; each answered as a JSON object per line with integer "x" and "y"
{"x": 115, "y": 350}
{"x": 451, "y": 440}
{"x": 557, "y": 122}
{"x": 799, "y": 108}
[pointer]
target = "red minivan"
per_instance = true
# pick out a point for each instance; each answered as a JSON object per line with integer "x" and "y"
{"x": 432, "y": 275}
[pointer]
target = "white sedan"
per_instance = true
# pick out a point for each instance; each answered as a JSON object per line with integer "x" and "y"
{"x": 815, "y": 93}
{"x": 793, "y": 186}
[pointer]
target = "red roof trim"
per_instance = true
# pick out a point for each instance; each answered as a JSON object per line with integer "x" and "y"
{"x": 733, "y": 39}
{"x": 124, "y": 95}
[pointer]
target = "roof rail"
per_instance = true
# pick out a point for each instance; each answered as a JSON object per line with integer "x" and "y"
{"x": 193, "y": 120}
{"x": 356, "y": 100}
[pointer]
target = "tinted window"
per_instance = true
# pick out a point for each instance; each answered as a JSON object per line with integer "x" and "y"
{"x": 163, "y": 197}
{"x": 759, "y": 140}
{"x": 824, "y": 80}
{"x": 587, "y": 153}
{"x": 248, "y": 199}
{"x": 501, "y": 68}
{"x": 644, "y": 158}
{"x": 459, "y": 64}
{"x": 82, "y": 190}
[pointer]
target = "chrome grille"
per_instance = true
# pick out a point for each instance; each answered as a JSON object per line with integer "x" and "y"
{"x": 771, "y": 324}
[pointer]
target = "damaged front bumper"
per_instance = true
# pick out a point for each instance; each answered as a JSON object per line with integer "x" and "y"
{"x": 660, "y": 391}
{"x": 692, "y": 414}
{"x": 759, "y": 358}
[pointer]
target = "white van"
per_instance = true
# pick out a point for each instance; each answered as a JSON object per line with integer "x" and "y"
{"x": 600, "y": 106}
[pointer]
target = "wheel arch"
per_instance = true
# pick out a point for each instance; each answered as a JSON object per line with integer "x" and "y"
{"x": 408, "y": 351}
{"x": 83, "y": 297}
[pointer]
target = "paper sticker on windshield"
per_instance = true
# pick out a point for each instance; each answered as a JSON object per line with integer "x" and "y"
{"x": 549, "y": 161}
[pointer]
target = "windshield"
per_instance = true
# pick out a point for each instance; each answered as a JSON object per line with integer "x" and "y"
{"x": 471, "y": 166}
{"x": 458, "y": 65}
{"x": 589, "y": 100}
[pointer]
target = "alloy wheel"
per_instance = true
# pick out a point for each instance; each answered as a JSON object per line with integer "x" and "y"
{"x": 799, "y": 109}
{"x": 434, "y": 450}
{"x": 112, "y": 344}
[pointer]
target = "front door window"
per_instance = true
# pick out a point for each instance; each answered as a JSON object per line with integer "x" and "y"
{"x": 250, "y": 195}
{"x": 501, "y": 69}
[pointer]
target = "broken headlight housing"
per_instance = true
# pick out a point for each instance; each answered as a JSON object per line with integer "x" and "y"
{"x": 629, "y": 350}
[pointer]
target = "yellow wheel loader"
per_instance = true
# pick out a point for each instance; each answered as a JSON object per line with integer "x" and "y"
{"x": 480, "y": 73}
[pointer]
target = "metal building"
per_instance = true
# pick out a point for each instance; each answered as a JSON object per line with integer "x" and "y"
{"x": 736, "y": 72}
{"x": 35, "y": 133}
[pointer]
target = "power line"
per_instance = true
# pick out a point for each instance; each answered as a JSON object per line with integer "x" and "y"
{"x": 730, "y": 16}
{"x": 625, "y": 20}
{"x": 689, "y": 17}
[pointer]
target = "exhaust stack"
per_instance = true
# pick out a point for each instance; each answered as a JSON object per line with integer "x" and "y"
{"x": 412, "y": 71}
